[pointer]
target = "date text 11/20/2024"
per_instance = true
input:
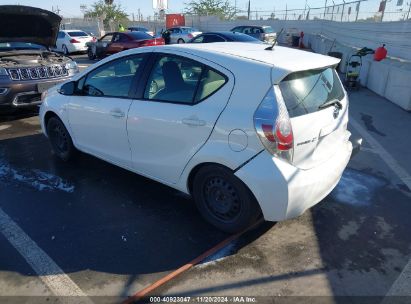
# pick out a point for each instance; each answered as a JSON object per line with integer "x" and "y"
{"x": 203, "y": 299}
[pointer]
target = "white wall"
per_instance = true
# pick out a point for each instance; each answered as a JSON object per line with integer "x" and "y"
{"x": 396, "y": 35}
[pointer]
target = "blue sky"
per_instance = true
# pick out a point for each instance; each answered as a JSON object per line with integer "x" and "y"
{"x": 71, "y": 8}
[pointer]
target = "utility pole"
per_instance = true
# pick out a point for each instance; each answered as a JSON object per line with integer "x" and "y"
{"x": 332, "y": 13}
{"x": 358, "y": 10}
{"x": 249, "y": 9}
{"x": 325, "y": 7}
{"x": 285, "y": 11}
{"x": 409, "y": 9}
{"x": 383, "y": 3}
{"x": 342, "y": 13}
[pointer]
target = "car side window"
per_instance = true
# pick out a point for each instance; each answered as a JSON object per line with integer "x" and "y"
{"x": 123, "y": 38}
{"x": 213, "y": 38}
{"x": 247, "y": 30}
{"x": 199, "y": 39}
{"x": 211, "y": 81}
{"x": 61, "y": 35}
{"x": 113, "y": 79}
{"x": 174, "y": 79}
{"x": 238, "y": 29}
{"x": 107, "y": 38}
{"x": 116, "y": 38}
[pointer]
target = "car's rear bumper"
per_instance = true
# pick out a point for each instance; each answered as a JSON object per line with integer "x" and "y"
{"x": 285, "y": 191}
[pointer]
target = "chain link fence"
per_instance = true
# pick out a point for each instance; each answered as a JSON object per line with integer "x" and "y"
{"x": 342, "y": 11}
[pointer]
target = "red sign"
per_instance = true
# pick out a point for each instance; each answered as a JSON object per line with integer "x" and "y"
{"x": 175, "y": 20}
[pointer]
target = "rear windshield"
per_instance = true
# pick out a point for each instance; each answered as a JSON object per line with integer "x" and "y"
{"x": 139, "y": 35}
{"x": 77, "y": 34}
{"x": 304, "y": 92}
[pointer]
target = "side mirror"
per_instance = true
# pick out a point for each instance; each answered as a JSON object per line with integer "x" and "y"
{"x": 68, "y": 88}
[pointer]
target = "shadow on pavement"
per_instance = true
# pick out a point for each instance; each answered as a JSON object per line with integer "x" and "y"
{"x": 90, "y": 215}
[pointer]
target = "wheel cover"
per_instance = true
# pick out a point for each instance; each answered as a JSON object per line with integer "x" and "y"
{"x": 59, "y": 139}
{"x": 222, "y": 199}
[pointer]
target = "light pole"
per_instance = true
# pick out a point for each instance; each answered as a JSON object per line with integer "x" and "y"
{"x": 342, "y": 13}
{"x": 325, "y": 7}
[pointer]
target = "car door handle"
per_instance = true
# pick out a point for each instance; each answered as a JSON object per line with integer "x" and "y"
{"x": 117, "y": 113}
{"x": 195, "y": 122}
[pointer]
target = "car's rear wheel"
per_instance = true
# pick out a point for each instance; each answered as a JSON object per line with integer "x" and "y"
{"x": 60, "y": 139}
{"x": 65, "y": 50}
{"x": 180, "y": 41}
{"x": 224, "y": 200}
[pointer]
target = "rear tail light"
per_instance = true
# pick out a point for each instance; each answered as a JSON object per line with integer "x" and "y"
{"x": 273, "y": 125}
{"x": 74, "y": 41}
{"x": 190, "y": 36}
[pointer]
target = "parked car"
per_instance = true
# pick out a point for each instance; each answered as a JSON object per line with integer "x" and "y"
{"x": 185, "y": 116}
{"x": 182, "y": 34}
{"x": 73, "y": 41}
{"x": 140, "y": 29}
{"x": 263, "y": 33}
{"x": 223, "y": 37}
{"x": 27, "y": 66}
{"x": 116, "y": 42}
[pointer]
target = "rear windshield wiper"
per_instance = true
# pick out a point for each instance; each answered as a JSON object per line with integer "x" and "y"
{"x": 335, "y": 102}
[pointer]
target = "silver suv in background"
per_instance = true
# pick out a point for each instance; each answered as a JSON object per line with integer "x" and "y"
{"x": 264, "y": 33}
{"x": 182, "y": 34}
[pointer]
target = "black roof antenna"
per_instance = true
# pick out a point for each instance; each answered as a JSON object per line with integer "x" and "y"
{"x": 270, "y": 48}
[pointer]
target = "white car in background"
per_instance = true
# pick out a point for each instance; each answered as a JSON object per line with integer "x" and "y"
{"x": 73, "y": 41}
{"x": 185, "y": 116}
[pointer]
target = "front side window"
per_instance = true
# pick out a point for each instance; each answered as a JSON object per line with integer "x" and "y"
{"x": 61, "y": 35}
{"x": 237, "y": 29}
{"x": 107, "y": 38}
{"x": 181, "y": 80}
{"x": 113, "y": 79}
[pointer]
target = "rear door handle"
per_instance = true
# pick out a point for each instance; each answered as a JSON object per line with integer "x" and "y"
{"x": 117, "y": 113}
{"x": 194, "y": 122}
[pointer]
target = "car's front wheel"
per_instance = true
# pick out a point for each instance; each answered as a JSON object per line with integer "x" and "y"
{"x": 224, "y": 200}
{"x": 180, "y": 41}
{"x": 60, "y": 139}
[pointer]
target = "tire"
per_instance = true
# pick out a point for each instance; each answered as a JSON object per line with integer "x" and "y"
{"x": 90, "y": 54}
{"x": 65, "y": 50}
{"x": 224, "y": 200}
{"x": 60, "y": 139}
{"x": 180, "y": 41}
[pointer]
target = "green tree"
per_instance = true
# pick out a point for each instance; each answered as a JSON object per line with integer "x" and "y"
{"x": 221, "y": 8}
{"x": 113, "y": 12}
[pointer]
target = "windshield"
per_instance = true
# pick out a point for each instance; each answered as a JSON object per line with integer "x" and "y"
{"x": 305, "y": 91}
{"x": 268, "y": 29}
{"x": 77, "y": 34}
{"x": 12, "y": 46}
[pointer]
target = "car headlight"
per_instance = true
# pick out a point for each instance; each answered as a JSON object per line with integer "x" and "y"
{"x": 72, "y": 65}
{"x": 3, "y": 72}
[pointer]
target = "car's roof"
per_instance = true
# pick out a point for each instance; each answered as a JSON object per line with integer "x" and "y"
{"x": 284, "y": 58}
